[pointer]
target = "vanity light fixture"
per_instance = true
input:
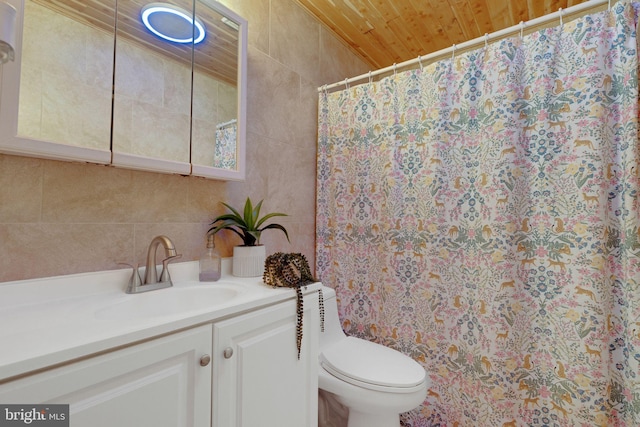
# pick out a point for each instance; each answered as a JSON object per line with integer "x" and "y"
{"x": 172, "y": 23}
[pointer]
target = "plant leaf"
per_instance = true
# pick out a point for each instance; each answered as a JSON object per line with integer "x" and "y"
{"x": 228, "y": 217}
{"x": 235, "y": 212}
{"x": 255, "y": 214}
{"x": 229, "y": 226}
{"x": 248, "y": 214}
{"x": 279, "y": 227}
{"x": 267, "y": 216}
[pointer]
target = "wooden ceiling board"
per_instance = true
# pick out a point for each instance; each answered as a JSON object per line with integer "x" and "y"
{"x": 466, "y": 19}
{"x": 345, "y": 28}
{"x": 384, "y": 32}
{"x": 505, "y": 12}
{"x": 414, "y": 32}
{"x": 446, "y": 18}
{"x": 518, "y": 12}
{"x": 482, "y": 16}
{"x": 438, "y": 27}
{"x": 388, "y": 10}
{"x": 386, "y": 28}
{"x": 422, "y": 29}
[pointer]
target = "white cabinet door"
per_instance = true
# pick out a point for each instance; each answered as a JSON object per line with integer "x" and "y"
{"x": 258, "y": 380}
{"x": 158, "y": 383}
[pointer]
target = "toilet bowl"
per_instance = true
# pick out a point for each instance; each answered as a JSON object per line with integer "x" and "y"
{"x": 376, "y": 383}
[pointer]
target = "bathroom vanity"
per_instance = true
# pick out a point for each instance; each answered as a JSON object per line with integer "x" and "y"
{"x": 216, "y": 354}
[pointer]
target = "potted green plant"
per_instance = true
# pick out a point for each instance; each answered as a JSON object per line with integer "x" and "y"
{"x": 248, "y": 258}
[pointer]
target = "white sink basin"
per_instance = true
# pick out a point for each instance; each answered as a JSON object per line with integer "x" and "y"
{"x": 170, "y": 301}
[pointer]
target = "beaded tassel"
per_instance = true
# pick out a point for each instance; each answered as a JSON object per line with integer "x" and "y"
{"x": 292, "y": 271}
{"x": 299, "y": 320}
{"x": 321, "y": 305}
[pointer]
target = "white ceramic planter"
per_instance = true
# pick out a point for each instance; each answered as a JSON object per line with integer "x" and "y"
{"x": 248, "y": 261}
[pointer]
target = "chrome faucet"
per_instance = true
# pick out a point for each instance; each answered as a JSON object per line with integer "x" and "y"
{"x": 151, "y": 281}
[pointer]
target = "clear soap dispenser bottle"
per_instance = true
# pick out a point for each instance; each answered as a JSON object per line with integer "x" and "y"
{"x": 210, "y": 262}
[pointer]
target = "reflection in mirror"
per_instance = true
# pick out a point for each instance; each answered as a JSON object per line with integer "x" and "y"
{"x": 215, "y": 91}
{"x": 152, "y": 90}
{"x": 65, "y": 94}
{"x": 91, "y": 83}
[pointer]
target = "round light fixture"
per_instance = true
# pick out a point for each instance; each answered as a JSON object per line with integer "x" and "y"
{"x": 172, "y": 23}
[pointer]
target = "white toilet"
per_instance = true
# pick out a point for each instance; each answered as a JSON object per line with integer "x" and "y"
{"x": 376, "y": 383}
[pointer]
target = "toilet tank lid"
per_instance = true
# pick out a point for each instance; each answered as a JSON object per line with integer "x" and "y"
{"x": 372, "y": 363}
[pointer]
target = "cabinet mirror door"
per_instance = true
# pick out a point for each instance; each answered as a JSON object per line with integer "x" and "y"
{"x": 219, "y": 83}
{"x": 152, "y": 85}
{"x": 56, "y": 94}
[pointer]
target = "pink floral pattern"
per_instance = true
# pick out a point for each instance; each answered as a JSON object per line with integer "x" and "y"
{"x": 481, "y": 216}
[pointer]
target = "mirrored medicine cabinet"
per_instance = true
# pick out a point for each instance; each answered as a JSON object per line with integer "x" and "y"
{"x": 157, "y": 86}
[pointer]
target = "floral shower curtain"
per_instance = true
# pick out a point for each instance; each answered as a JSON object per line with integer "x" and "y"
{"x": 481, "y": 215}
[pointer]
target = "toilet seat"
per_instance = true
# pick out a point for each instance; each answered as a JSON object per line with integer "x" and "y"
{"x": 372, "y": 366}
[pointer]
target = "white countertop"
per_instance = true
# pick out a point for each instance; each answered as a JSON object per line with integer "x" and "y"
{"x": 49, "y": 321}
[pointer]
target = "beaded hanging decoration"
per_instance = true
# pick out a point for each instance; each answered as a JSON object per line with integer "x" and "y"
{"x": 292, "y": 271}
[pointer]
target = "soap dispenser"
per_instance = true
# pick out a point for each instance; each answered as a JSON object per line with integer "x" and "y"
{"x": 210, "y": 262}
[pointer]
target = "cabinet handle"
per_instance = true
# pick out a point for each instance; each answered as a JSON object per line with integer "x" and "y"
{"x": 204, "y": 360}
{"x": 228, "y": 352}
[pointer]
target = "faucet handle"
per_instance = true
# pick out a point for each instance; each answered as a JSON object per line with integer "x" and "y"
{"x": 164, "y": 276}
{"x": 135, "y": 280}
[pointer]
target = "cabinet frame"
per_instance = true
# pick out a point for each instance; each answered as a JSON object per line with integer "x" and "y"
{"x": 12, "y": 143}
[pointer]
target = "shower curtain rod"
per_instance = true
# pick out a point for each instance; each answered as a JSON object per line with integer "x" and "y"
{"x": 559, "y": 15}
{"x": 226, "y": 124}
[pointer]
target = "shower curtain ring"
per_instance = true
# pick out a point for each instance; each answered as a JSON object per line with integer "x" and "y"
{"x": 346, "y": 83}
{"x": 370, "y": 78}
{"x": 395, "y": 71}
{"x": 561, "y": 20}
{"x": 420, "y": 61}
{"x": 486, "y": 40}
{"x": 609, "y": 5}
{"x": 453, "y": 52}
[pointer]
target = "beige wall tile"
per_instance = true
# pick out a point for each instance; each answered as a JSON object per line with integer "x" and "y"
{"x": 300, "y": 53}
{"x": 336, "y": 60}
{"x": 99, "y": 51}
{"x": 77, "y": 193}
{"x": 273, "y": 98}
{"x": 76, "y": 114}
{"x": 20, "y": 190}
{"x": 30, "y": 107}
{"x": 139, "y": 74}
{"x": 158, "y": 198}
{"x": 42, "y": 249}
{"x": 158, "y": 132}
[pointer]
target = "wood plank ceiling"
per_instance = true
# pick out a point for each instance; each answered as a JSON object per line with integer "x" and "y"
{"x": 384, "y": 32}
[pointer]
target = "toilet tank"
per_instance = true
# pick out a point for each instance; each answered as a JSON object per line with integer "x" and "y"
{"x": 332, "y": 326}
